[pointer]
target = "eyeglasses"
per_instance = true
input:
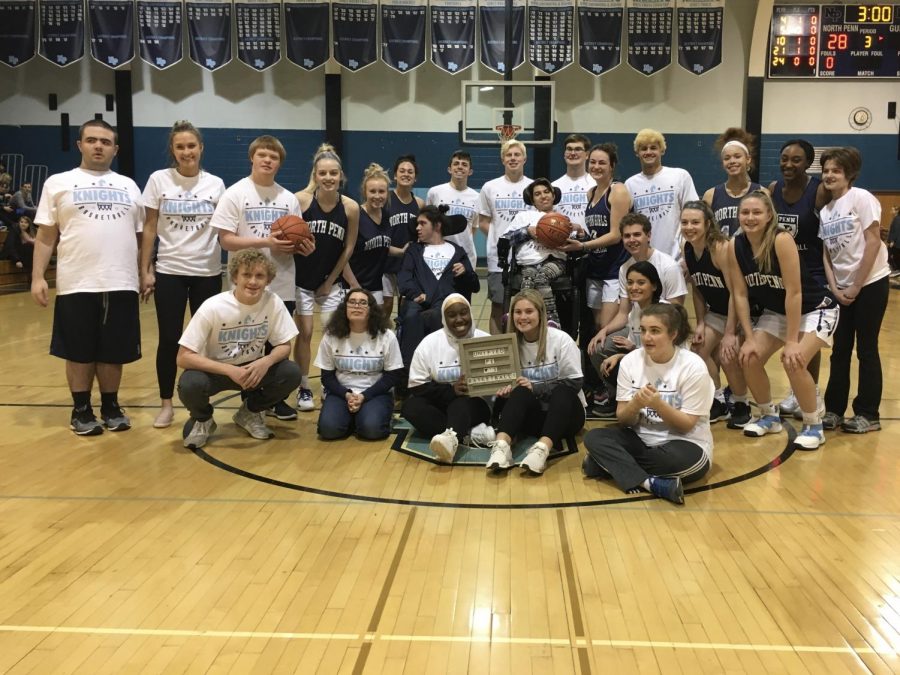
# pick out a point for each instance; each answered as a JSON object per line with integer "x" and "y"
{"x": 358, "y": 303}
{"x": 574, "y": 151}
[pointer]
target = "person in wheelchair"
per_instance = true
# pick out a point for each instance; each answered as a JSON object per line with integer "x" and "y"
{"x": 431, "y": 270}
{"x": 536, "y": 264}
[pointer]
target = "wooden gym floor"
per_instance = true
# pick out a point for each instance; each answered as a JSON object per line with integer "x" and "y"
{"x": 126, "y": 553}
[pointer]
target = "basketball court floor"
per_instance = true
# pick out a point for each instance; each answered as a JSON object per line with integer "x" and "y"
{"x": 127, "y": 553}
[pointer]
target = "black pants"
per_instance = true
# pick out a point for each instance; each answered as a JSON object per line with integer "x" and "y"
{"x": 620, "y": 454}
{"x": 416, "y": 322}
{"x": 431, "y": 415}
{"x": 522, "y": 415}
{"x": 860, "y": 320}
{"x": 173, "y": 293}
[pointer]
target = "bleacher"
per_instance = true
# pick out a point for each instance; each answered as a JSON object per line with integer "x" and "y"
{"x": 12, "y": 278}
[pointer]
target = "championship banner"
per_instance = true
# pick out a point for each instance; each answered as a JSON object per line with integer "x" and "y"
{"x": 62, "y": 31}
{"x": 209, "y": 32}
{"x": 258, "y": 32}
{"x": 159, "y": 33}
{"x": 600, "y": 34}
{"x": 700, "y": 34}
{"x": 353, "y": 33}
{"x": 650, "y": 35}
{"x": 112, "y": 31}
{"x": 306, "y": 33}
{"x": 17, "y": 42}
{"x": 453, "y": 34}
{"x": 492, "y": 18}
{"x": 403, "y": 34}
{"x": 551, "y": 27}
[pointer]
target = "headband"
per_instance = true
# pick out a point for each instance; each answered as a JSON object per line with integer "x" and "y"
{"x": 737, "y": 143}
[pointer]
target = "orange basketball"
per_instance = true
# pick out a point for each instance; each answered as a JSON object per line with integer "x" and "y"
{"x": 292, "y": 228}
{"x": 553, "y": 230}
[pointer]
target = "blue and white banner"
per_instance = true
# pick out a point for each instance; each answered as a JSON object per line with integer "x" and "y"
{"x": 551, "y": 30}
{"x": 159, "y": 32}
{"x": 209, "y": 32}
{"x": 492, "y": 19}
{"x": 353, "y": 33}
{"x": 62, "y": 31}
{"x": 112, "y": 31}
{"x": 700, "y": 34}
{"x": 650, "y": 35}
{"x": 403, "y": 34}
{"x": 453, "y": 34}
{"x": 600, "y": 34}
{"x": 306, "y": 33}
{"x": 17, "y": 43}
{"x": 258, "y": 32}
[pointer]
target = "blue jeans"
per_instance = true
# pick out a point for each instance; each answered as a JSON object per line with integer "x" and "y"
{"x": 372, "y": 421}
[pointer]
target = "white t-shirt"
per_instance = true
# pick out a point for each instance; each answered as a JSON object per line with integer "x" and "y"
{"x": 248, "y": 210}
{"x": 669, "y": 271}
{"x": 574, "y": 196}
{"x": 842, "y": 223}
{"x": 187, "y": 244}
{"x": 461, "y": 203}
{"x": 99, "y": 214}
{"x": 437, "y": 257}
{"x": 501, "y": 200}
{"x": 359, "y": 361}
{"x": 683, "y": 382}
{"x": 562, "y": 360}
{"x": 436, "y": 359}
{"x": 660, "y": 198}
{"x": 228, "y": 331}
{"x": 531, "y": 251}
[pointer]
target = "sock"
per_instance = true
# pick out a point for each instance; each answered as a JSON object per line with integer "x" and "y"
{"x": 647, "y": 483}
{"x": 768, "y": 409}
{"x": 738, "y": 399}
{"x": 81, "y": 400}
{"x": 109, "y": 401}
{"x": 720, "y": 395}
{"x": 304, "y": 381}
{"x": 811, "y": 419}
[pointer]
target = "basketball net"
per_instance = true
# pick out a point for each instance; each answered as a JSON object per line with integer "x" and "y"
{"x": 507, "y": 132}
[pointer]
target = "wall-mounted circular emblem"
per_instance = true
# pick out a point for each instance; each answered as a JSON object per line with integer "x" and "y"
{"x": 860, "y": 118}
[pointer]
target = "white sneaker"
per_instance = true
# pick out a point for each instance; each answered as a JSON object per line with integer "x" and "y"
{"x": 536, "y": 458}
{"x": 482, "y": 436}
{"x": 254, "y": 423}
{"x": 762, "y": 425}
{"x": 811, "y": 437}
{"x": 305, "y": 402}
{"x": 444, "y": 445}
{"x": 789, "y": 404}
{"x": 501, "y": 456}
{"x": 199, "y": 433}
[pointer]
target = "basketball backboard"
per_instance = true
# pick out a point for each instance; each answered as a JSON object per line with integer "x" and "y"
{"x": 494, "y": 109}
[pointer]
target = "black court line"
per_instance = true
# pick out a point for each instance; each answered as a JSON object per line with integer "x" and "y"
{"x": 774, "y": 463}
{"x": 584, "y": 659}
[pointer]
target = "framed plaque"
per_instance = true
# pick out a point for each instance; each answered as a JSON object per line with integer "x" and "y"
{"x": 489, "y": 363}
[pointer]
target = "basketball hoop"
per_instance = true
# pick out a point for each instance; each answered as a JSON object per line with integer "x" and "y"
{"x": 507, "y": 132}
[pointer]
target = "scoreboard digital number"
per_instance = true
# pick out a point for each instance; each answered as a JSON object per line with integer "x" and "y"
{"x": 835, "y": 41}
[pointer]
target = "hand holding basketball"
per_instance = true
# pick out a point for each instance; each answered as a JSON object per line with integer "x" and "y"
{"x": 553, "y": 230}
{"x": 294, "y": 229}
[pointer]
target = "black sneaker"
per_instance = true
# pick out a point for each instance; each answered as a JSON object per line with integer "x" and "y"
{"x": 115, "y": 419}
{"x": 282, "y": 411}
{"x": 84, "y": 423}
{"x": 740, "y": 415}
{"x": 604, "y": 411}
{"x": 718, "y": 411}
{"x": 669, "y": 489}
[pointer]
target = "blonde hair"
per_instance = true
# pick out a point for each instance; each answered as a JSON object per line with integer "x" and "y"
{"x": 373, "y": 172}
{"x": 512, "y": 143}
{"x": 535, "y": 298}
{"x": 325, "y": 151}
{"x": 266, "y": 142}
{"x": 766, "y": 251}
{"x": 648, "y": 137}
{"x": 250, "y": 258}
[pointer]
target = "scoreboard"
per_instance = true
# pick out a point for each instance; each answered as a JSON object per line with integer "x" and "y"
{"x": 835, "y": 41}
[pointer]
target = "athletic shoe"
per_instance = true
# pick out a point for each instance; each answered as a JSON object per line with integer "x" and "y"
{"x": 789, "y": 404}
{"x": 669, "y": 489}
{"x": 501, "y": 456}
{"x": 482, "y": 436}
{"x": 116, "y": 420}
{"x": 860, "y": 425}
{"x": 765, "y": 424}
{"x": 84, "y": 423}
{"x": 282, "y": 411}
{"x": 740, "y": 415}
{"x": 718, "y": 411}
{"x": 601, "y": 397}
{"x": 535, "y": 459}
{"x": 196, "y": 433}
{"x": 604, "y": 411}
{"x": 831, "y": 420}
{"x": 444, "y": 445}
{"x": 305, "y": 401}
{"x": 810, "y": 437}
{"x": 253, "y": 423}
{"x": 553, "y": 324}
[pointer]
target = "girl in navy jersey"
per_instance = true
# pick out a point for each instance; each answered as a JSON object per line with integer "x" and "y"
{"x": 187, "y": 268}
{"x": 404, "y": 209}
{"x": 716, "y": 336}
{"x": 798, "y": 197}
{"x": 333, "y": 219}
{"x": 736, "y": 147}
{"x": 798, "y": 314}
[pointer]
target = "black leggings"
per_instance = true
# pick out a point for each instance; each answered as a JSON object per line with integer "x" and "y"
{"x": 431, "y": 415}
{"x": 522, "y": 415}
{"x": 173, "y": 293}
